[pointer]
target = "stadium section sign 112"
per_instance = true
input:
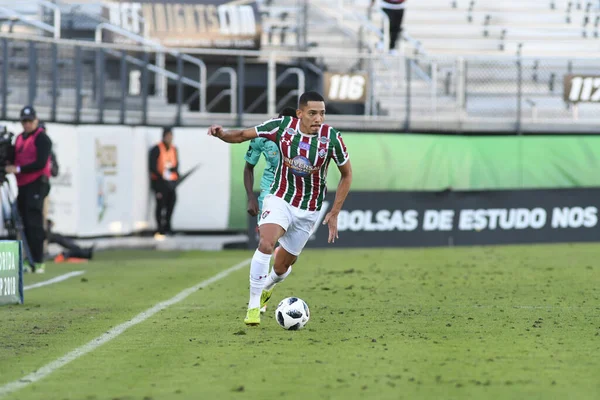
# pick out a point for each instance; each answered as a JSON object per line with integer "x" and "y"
{"x": 582, "y": 89}
{"x": 189, "y": 23}
{"x": 415, "y": 219}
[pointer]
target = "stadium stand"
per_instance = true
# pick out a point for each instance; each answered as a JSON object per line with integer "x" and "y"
{"x": 477, "y": 48}
{"x": 462, "y": 60}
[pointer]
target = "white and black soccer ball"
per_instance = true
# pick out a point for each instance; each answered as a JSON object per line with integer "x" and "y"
{"x": 292, "y": 313}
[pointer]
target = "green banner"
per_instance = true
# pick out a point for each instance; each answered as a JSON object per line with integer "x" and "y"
{"x": 438, "y": 162}
{"x": 11, "y": 272}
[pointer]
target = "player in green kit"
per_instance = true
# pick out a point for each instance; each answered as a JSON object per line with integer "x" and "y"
{"x": 261, "y": 146}
{"x": 292, "y": 207}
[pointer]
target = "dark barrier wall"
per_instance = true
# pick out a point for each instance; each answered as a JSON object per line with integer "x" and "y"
{"x": 409, "y": 219}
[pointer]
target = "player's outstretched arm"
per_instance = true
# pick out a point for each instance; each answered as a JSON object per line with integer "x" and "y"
{"x": 232, "y": 136}
{"x": 340, "y": 196}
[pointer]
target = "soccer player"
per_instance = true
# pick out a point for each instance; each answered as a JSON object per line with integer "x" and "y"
{"x": 262, "y": 146}
{"x": 292, "y": 208}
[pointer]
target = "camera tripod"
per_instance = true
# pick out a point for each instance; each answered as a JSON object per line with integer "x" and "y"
{"x": 12, "y": 219}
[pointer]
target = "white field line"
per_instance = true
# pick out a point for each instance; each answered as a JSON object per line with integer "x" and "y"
{"x": 112, "y": 333}
{"x": 57, "y": 279}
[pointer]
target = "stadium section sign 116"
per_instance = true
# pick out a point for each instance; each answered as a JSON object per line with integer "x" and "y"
{"x": 188, "y": 23}
{"x": 346, "y": 87}
{"x": 582, "y": 89}
{"x": 415, "y": 219}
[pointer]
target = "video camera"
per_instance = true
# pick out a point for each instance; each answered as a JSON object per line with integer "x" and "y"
{"x": 7, "y": 150}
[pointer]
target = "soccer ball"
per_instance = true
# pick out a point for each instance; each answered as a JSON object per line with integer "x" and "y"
{"x": 292, "y": 313}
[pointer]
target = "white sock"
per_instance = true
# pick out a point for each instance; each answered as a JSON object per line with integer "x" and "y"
{"x": 259, "y": 270}
{"x": 274, "y": 279}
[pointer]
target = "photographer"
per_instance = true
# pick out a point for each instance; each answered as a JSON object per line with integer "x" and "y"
{"x": 32, "y": 170}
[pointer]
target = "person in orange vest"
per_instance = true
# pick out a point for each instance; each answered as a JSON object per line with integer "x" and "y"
{"x": 164, "y": 173}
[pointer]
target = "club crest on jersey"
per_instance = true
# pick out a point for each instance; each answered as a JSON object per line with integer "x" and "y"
{"x": 322, "y": 153}
{"x": 304, "y": 146}
{"x": 324, "y": 139}
{"x": 300, "y": 166}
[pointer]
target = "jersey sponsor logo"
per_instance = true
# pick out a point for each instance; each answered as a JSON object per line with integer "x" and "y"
{"x": 287, "y": 136}
{"x": 265, "y": 214}
{"x": 300, "y": 166}
{"x": 324, "y": 139}
{"x": 304, "y": 146}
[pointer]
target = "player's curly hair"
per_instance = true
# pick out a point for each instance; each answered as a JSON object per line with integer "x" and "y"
{"x": 288, "y": 112}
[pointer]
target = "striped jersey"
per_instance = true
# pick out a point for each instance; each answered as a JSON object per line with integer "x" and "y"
{"x": 301, "y": 175}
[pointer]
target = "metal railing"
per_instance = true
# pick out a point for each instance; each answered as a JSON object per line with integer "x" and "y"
{"x": 53, "y": 29}
{"x": 75, "y": 81}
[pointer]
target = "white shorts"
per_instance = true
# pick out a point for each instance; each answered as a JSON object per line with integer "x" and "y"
{"x": 298, "y": 224}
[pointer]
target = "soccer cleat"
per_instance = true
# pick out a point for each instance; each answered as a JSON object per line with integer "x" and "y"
{"x": 40, "y": 268}
{"x": 264, "y": 298}
{"x": 252, "y": 317}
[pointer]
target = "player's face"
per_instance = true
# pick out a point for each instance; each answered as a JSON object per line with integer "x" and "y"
{"x": 312, "y": 116}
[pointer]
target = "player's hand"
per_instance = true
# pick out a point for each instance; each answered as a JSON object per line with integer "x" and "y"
{"x": 215, "y": 130}
{"x": 331, "y": 219}
{"x": 252, "y": 207}
{"x": 10, "y": 169}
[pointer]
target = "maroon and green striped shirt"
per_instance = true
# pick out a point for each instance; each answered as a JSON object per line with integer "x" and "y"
{"x": 302, "y": 171}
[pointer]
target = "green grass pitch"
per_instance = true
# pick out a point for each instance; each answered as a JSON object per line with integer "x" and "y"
{"x": 513, "y": 322}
